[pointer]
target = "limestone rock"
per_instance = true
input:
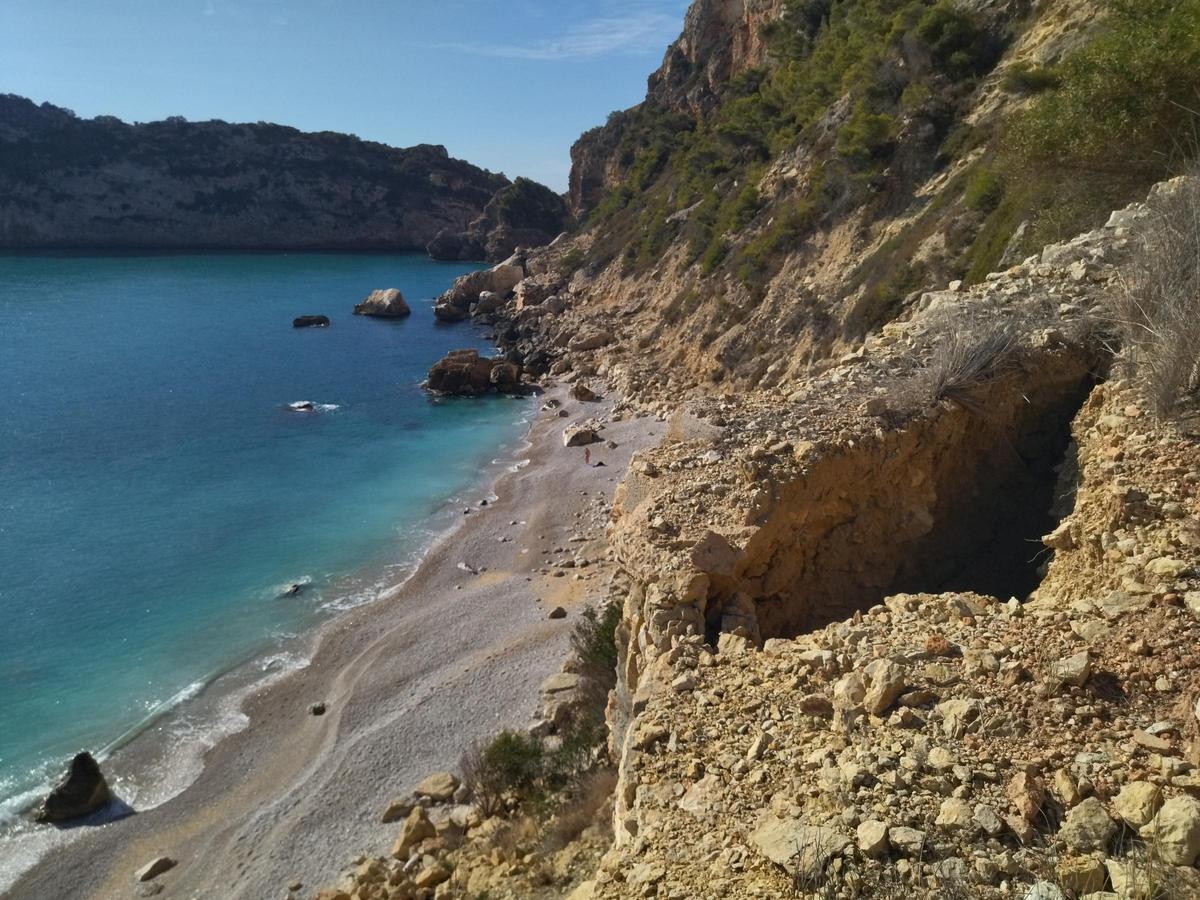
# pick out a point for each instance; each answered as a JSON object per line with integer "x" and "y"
{"x": 592, "y": 340}
{"x": 887, "y": 682}
{"x": 849, "y": 691}
{"x": 1088, "y": 827}
{"x": 432, "y": 876}
{"x": 579, "y": 436}
{"x": 1167, "y": 567}
{"x": 154, "y": 868}
{"x": 416, "y": 828}
{"x": 1074, "y": 670}
{"x": 1175, "y": 831}
{"x": 559, "y": 682}
{"x": 908, "y": 841}
{"x": 83, "y": 791}
{"x": 1044, "y": 890}
{"x": 1027, "y": 794}
{"x": 440, "y": 786}
{"x": 956, "y": 814}
{"x": 583, "y": 393}
{"x": 873, "y": 838}
{"x": 801, "y": 850}
{"x": 1137, "y": 803}
{"x": 397, "y": 810}
{"x": 466, "y": 373}
{"x": 1081, "y": 874}
{"x": 385, "y": 304}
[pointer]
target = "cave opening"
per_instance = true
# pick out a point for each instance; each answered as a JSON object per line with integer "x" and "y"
{"x": 960, "y": 506}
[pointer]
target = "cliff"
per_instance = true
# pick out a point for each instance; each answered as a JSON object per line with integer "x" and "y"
{"x": 909, "y": 592}
{"x": 773, "y": 202}
{"x": 71, "y": 182}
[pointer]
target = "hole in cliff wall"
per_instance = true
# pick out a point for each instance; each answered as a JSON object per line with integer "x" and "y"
{"x": 957, "y": 501}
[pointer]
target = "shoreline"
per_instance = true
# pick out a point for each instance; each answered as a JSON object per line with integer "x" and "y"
{"x": 410, "y": 679}
{"x": 155, "y": 759}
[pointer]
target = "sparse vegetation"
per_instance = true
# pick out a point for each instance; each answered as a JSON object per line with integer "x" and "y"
{"x": 824, "y": 51}
{"x": 1113, "y": 118}
{"x": 515, "y": 770}
{"x": 1027, "y": 78}
{"x": 966, "y": 361}
{"x": 1157, "y": 309}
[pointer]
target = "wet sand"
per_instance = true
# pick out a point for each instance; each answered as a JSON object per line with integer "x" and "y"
{"x": 409, "y": 682}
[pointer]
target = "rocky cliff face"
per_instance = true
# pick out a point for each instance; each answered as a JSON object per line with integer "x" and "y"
{"x": 788, "y": 186}
{"x": 70, "y": 182}
{"x": 721, "y": 39}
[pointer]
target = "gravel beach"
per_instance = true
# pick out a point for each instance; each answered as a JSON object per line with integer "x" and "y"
{"x": 409, "y": 682}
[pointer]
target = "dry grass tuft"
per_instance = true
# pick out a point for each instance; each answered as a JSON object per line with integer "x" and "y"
{"x": 590, "y": 804}
{"x": 966, "y": 362}
{"x": 1157, "y": 309}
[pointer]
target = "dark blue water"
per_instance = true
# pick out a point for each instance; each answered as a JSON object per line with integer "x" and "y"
{"x": 156, "y": 496}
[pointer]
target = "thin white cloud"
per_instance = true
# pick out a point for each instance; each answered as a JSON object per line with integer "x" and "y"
{"x": 636, "y": 34}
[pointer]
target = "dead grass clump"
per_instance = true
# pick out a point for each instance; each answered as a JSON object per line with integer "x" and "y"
{"x": 965, "y": 362}
{"x": 589, "y": 803}
{"x": 1157, "y": 308}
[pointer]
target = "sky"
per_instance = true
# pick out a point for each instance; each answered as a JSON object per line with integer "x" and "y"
{"x": 506, "y": 85}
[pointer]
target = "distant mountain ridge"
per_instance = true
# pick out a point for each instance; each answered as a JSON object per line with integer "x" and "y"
{"x": 67, "y": 182}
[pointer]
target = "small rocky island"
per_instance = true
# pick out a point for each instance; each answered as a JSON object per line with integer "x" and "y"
{"x": 386, "y": 304}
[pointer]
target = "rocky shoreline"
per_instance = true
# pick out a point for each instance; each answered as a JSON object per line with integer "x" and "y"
{"x": 404, "y": 692}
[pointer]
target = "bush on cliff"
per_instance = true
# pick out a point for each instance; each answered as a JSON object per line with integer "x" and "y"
{"x": 517, "y": 767}
{"x": 888, "y": 57}
{"x": 527, "y": 204}
{"x": 1114, "y": 117}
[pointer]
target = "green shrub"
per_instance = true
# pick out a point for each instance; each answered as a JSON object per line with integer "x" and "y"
{"x": 865, "y": 137}
{"x": 1122, "y": 100}
{"x": 511, "y": 765}
{"x": 572, "y": 260}
{"x": 594, "y": 642}
{"x": 823, "y": 51}
{"x": 959, "y": 46}
{"x": 985, "y": 190}
{"x": 1026, "y": 78}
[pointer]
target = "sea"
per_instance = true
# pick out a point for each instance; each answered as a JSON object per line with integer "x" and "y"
{"x": 167, "y": 519}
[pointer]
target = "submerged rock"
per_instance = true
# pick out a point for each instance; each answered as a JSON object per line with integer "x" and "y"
{"x": 83, "y": 791}
{"x": 387, "y": 304}
{"x": 310, "y": 322}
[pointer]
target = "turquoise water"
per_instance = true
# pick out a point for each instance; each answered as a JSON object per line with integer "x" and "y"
{"x": 156, "y": 496}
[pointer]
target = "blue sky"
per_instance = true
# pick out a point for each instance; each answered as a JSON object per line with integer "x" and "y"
{"x": 507, "y": 85}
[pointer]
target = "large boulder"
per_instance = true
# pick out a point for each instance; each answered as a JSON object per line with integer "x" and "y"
{"x": 592, "y": 340}
{"x": 579, "y": 436}
{"x": 465, "y": 373}
{"x": 82, "y": 792}
{"x": 455, "y": 304}
{"x": 387, "y": 304}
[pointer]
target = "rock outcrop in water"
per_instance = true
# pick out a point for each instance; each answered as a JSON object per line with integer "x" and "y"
{"x": 82, "y": 792}
{"x": 71, "y": 182}
{"x": 464, "y": 373}
{"x": 310, "y": 322}
{"x": 386, "y": 304}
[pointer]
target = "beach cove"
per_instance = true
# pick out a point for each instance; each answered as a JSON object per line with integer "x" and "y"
{"x": 409, "y": 682}
{"x": 163, "y": 505}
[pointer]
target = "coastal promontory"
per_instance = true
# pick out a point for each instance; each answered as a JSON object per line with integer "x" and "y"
{"x": 70, "y": 182}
